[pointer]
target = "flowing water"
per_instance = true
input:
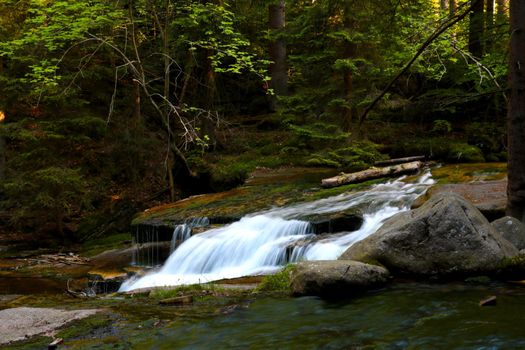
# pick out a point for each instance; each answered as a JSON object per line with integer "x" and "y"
{"x": 264, "y": 241}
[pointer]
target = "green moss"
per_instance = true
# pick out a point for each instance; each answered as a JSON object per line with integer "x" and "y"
{"x": 279, "y": 282}
{"x": 179, "y": 291}
{"x": 101, "y": 244}
{"x": 84, "y": 326}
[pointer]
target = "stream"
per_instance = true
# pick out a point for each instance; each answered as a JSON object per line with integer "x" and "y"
{"x": 265, "y": 241}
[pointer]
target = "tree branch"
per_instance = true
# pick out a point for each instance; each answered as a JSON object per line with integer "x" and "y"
{"x": 440, "y": 30}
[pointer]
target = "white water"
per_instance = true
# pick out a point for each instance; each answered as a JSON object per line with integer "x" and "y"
{"x": 264, "y": 241}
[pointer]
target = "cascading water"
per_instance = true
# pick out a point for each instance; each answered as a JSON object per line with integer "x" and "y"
{"x": 183, "y": 231}
{"x": 264, "y": 241}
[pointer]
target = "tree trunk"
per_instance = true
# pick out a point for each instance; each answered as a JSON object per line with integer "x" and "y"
{"x": 452, "y": 7}
{"x": 370, "y": 174}
{"x": 476, "y": 32}
{"x": 2, "y": 139}
{"x": 2, "y": 155}
{"x": 489, "y": 23}
{"x": 277, "y": 50}
{"x": 516, "y": 113}
{"x": 443, "y": 6}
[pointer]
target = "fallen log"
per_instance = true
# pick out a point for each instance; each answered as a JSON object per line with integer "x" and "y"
{"x": 372, "y": 173}
{"x": 398, "y": 160}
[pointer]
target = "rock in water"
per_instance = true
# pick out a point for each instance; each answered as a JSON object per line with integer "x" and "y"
{"x": 512, "y": 230}
{"x": 446, "y": 236}
{"x": 336, "y": 278}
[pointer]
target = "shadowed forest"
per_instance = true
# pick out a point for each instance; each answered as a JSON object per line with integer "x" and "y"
{"x": 111, "y": 107}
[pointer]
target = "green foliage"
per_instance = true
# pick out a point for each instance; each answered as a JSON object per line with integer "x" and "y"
{"x": 489, "y": 137}
{"x": 278, "y": 282}
{"x": 317, "y": 134}
{"x": 441, "y": 127}
{"x": 51, "y": 193}
{"x": 461, "y": 152}
{"x": 357, "y": 156}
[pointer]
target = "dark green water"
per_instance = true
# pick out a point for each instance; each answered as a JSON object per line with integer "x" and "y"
{"x": 408, "y": 316}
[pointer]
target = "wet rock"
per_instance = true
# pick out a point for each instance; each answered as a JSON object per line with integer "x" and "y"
{"x": 105, "y": 284}
{"x": 339, "y": 222}
{"x": 446, "y": 236}
{"x": 512, "y": 230}
{"x": 337, "y": 278}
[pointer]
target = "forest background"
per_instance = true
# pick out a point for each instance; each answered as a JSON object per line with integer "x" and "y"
{"x": 109, "y": 107}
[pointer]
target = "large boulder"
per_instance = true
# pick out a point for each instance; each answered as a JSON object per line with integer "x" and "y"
{"x": 446, "y": 236}
{"x": 336, "y": 278}
{"x": 512, "y": 230}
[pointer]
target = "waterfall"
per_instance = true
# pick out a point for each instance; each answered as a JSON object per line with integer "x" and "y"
{"x": 264, "y": 241}
{"x": 180, "y": 234}
{"x": 183, "y": 231}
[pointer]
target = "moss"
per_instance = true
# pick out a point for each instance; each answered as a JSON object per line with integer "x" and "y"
{"x": 457, "y": 173}
{"x": 85, "y": 326}
{"x": 279, "y": 282}
{"x": 178, "y": 291}
{"x": 108, "y": 242}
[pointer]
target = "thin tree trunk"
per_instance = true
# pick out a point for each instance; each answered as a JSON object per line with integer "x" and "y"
{"x": 2, "y": 155}
{"x": 443, "y": 6}
{"x": 277, "y": 50}
{"x": 489, "y": 23}
{"x": 165, "y": 49}
{"x": 516, "y": 113}
{"x": 136, "y": 105}
{"x": 476, "y": 30}
{"x": 452, "y": 7}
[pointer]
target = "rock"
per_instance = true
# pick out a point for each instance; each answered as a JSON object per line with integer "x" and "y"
{"x": 339, "y": 222}
{"x": 446, "y": 236}
{"x": 512, "y": 230}
{"x": 336, "y": 278}
{"x": 23, "y": 322}
{"x": 490, "y": 197}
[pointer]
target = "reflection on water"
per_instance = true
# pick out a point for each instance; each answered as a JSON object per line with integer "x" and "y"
{"x": 407, "y": 316}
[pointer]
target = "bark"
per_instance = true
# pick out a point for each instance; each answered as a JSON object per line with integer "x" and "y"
{"x": 516, "y": 113}
{"x": 490, "y": 14}
{"x": 2, "y": 157}
{"x": 136, "y": 105}
{"x": 476, "y": 30}
{"x": 489, "y": 23}
{"x": 372, "y": 173}
{"x": 277, "y": 50}
{"x": 443, "y": 6}
{"x": 452, "y": 7}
